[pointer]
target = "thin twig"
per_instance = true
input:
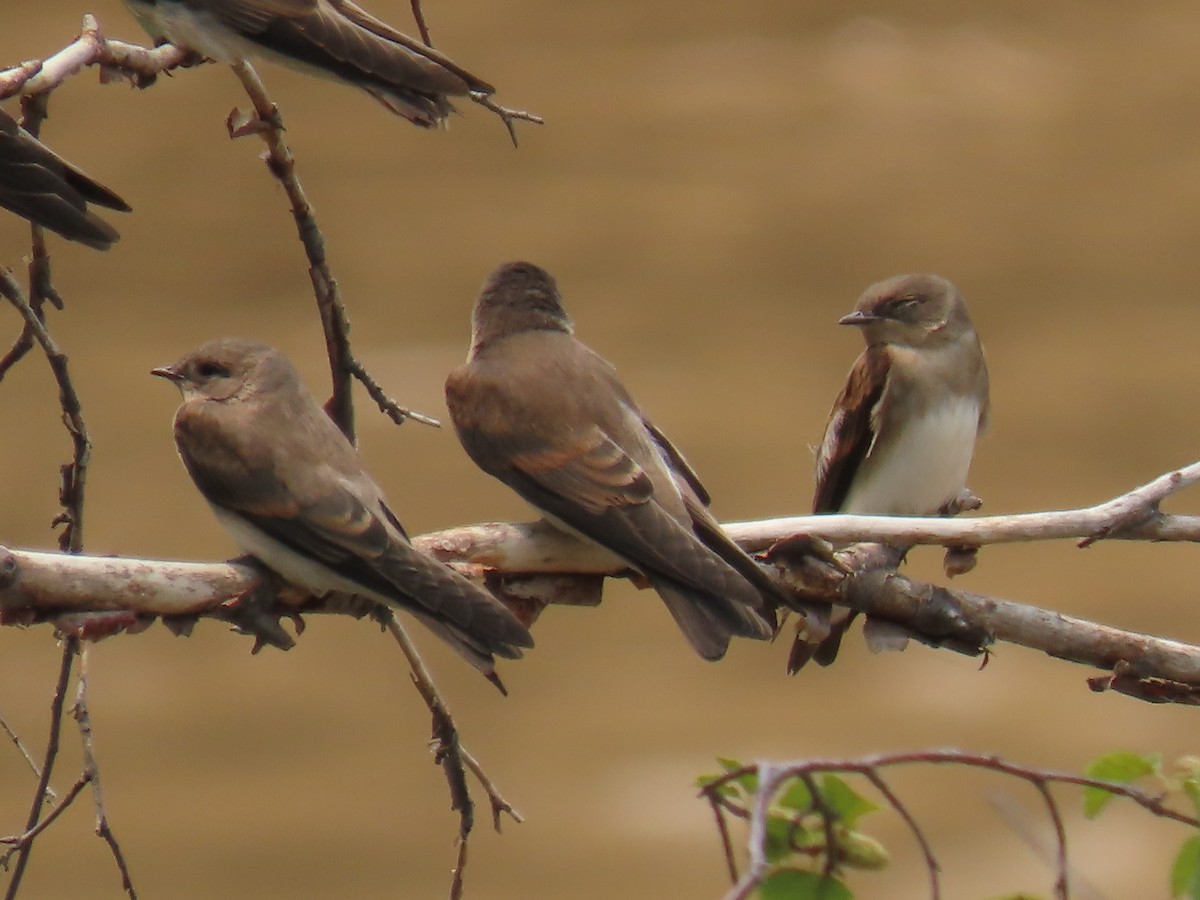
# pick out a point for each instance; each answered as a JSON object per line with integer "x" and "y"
{"x": 483, "y": 98}
{"x": 20, "y": 347}
{"x": 343, "y": 367}
{"x": 772, "y": 775}
{"x": 447, "y": 747}
{"x": 500, "y": 806}
{"x": 51, "y": 797}
{"x": 336, "y": 325}
{"x": 389, "y": 407}
{"x": 19, "y": 840}
{"x": 828, "y": 817}
{"x": 70, "y": 648}
{"x": 459, "y": 872}
{"x": 769, "y": 780}
{"x": 931, "y": 864}
{"x": 507, "y": 115}
{"x": 1017, "y": 818}
{"x": 1062, "y": 889}
{"x": 450, "y": 753}
{"x": 74, "y": 473}
{"x": 92, "y": 767}
{"x": 716, "y": 803}
{"x": 419, "y": 16}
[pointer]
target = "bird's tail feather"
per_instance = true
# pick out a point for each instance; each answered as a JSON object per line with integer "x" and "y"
{"x": 709, "y": 623}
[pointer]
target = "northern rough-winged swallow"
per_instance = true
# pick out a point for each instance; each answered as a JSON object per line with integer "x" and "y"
{"x": 542, "y": 412}
{"x": 332, "y": 39}
{"x": 39, "y": 185}
{"x": 902, "y": 432}
{"x": 292, "y": 491}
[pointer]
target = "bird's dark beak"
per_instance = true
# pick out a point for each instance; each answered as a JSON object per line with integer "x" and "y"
{"x": 168, "y": 372}
{"x": 858, "y": 318}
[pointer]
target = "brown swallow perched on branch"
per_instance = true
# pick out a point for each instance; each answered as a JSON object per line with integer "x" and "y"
{"x": 902, "y": 432}
{"x": 542, "y": 412}
{"x": 332, "y": 39}
{"x": 292, "y": 491}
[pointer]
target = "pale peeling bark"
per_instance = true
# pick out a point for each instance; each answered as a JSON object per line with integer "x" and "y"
{"x": 530, "y": 565}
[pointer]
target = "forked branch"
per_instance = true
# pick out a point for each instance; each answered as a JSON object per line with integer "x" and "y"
{"x": 728, "y": 797}
{"x": 538, "y": 564}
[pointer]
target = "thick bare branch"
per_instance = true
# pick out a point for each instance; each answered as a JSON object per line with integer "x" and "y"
{"x": 141, "y": 64}
{"x": 34, "y": 586}
{"x": 1131, "y": 516}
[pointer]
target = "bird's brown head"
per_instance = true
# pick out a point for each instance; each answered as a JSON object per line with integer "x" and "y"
{"x": 228, "y": 369}
{"x": 915, "y": 310}
{"x": 517, "y": 297}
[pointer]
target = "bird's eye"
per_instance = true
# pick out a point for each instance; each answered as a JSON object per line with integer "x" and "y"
{"x": 210, "y": 369}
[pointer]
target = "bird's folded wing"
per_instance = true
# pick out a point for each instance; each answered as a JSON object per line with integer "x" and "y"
{"x": 851, "y": 431}
{"x": 39, "y": 185}
{"x": 341, "y": 35}
{"x": 678, "y": 463}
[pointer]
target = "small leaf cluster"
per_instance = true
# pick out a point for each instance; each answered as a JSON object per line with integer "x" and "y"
{"x": 1124, "y": 767}
{"x": 811, "y": 831}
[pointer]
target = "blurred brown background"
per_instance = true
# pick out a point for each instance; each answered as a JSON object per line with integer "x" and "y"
{"x": 714, "y": 186}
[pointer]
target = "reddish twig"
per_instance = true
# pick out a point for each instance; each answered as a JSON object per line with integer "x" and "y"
{"x": 931, "y": 864}
{"x": 19, "y": 840}
{"x": 447, "y": 746}
{"x": 343, "y": 367}
{"x": 73, "y": 473}
{"x": 1061, "y": 883}
{"x": 771, "y": 777}
{"x": 69, "y": 650}
{"x": 336, "y": 325}
{"x": 51, "y": 797}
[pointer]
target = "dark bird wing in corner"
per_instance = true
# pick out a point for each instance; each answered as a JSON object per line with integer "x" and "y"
{"x": 39, "y": 185}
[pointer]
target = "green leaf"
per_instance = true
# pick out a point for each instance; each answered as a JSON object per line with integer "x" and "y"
{"x": 747, "y": 782}
{"x": 796, "y": 799}
{"x": 726, "y": 790}
{"x": 1191, "y": 787}
{"x": 1121, "y": 767}
{"x": 1185, "y": 871}
{"x": 791, "y": 884}
{"x": 777, "y": 847}
{"x": 849, "y": 805}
